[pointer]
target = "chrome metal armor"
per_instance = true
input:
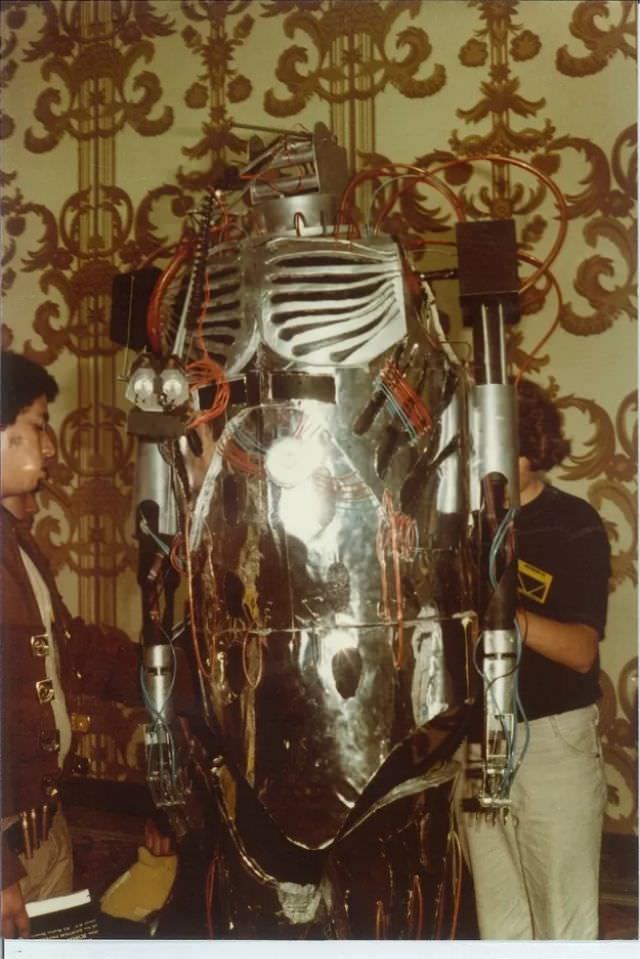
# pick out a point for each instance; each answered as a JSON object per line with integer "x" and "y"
{"x": 326, "y": 517}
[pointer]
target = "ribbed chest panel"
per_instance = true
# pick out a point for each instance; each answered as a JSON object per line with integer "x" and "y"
{"x": 327, "y": 301}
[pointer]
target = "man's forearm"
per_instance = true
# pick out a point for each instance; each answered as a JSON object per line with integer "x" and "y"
{"x": 572, "y": 644}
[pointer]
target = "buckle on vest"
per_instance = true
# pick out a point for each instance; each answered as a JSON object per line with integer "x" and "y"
{"x": 50, "y": 740}
{"x": 40, "y": 645}
{"x": 49, "y": 786}
{"x": 45, "y": 691}
{"x": 80, "y": 722}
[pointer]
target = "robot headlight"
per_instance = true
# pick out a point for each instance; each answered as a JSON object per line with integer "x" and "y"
{"x": 292, "y": 460}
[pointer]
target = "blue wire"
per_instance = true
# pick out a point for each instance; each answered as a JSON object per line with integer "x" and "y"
{"x": 498, "y": 541}
{"x": 397, "y": 410}
{"x": 159, "y": 725}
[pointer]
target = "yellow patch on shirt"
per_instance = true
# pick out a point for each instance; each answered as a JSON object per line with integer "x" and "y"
{"x": 533, "y": 583}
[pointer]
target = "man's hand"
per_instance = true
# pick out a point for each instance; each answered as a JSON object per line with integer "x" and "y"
{"x": 155, "y": 841}
{"x": 15, "y": 921}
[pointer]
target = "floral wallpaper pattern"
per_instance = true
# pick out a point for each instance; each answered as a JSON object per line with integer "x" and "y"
{"x": 118, "y": 114}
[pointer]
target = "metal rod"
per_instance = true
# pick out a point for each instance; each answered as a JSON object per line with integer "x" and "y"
{"x": 254, "y": 126}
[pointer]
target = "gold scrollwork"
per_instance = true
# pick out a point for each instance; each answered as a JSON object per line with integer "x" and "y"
{"x": 49, "y": 251}
{"x": 607, "y": 304}
{"x": 625, "y": 766}
{"x": 76, "y": 435}
{"x": 92, "y": 485}
{"x": 407, "y": 213}
{"x": 602, "y": 458}
{"x": 219, "y": 82}
{"x": 625, "y": 167}
{"x": 98, "y": 63}
{"x": 628, "y": 440}
{"x": 12, "y": 19}
{"x": 623, "y": 562}
{"x": 361, "y": 74}
{"x": 126, "y": 21}
{"x": 14, "y": 225}
{"x": 519, "y": 357}
{"x": 57, "y": 251}
{"x": 596, "y": 181}
{"x": 85, "y": 296}
{"x": 91, "y": 68}
{"x": 112, "y": 203}
{"x": 600, "y": 446}
{"x": 601, "y": 44}
{"x": 146, "y": 244}
{"x": 628, "y": 695}
{"x": 96, "y": 542}
{"x": 501, "y": 98}
{"x": 619, "y": 741}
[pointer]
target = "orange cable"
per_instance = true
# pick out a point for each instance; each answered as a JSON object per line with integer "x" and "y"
{"x": 548, "y": 182}
{"x": 192, "y": 617}
{"x": 174, "y": 558}
{"x": 154, "y": 322}
{"x": 469, "y": 160}
{"x": 390, "y": 171}
{"x": 407, "y": 186}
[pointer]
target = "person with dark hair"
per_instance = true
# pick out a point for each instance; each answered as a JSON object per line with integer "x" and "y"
{"x": 45, "y": 655}
{"x": 23, "y": 383}
{"x": 535, "y": 871}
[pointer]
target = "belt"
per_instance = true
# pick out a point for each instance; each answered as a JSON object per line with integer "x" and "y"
{"x": 252, "y": 388}
{"x": 25, "y": 836}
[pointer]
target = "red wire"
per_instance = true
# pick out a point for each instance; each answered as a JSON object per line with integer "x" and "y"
{"x": 430, "y": 177}
{"x": 404, "y": 189}
{"x": 425, "y": 175}
{"x": 192, "y": 609}
{"x": 154, "y": 321}
{"x": 239, "y": 458}
{"x": 396, "y": 534}
{"x": 548, "y": 182}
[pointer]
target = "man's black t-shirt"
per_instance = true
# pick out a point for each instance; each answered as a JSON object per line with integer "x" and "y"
{"x": 563, "y": 573}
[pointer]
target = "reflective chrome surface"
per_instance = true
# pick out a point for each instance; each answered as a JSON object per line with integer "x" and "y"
{"x": 493, "y": 417}
{"x": 331, "y": 616}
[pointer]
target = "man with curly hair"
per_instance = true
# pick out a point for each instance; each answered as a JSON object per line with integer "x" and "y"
{"x": 535, "y": 871}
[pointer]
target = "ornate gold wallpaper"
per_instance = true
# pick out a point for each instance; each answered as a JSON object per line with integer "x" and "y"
{"x": 116, "y": 114}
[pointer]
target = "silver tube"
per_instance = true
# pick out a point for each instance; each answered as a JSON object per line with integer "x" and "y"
{"x": 494, "y": 433}
{"x": 154, "y": 482}
{"x": 158, "y": 669}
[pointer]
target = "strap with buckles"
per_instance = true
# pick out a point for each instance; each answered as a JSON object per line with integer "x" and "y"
{"x": 25, "y": 836}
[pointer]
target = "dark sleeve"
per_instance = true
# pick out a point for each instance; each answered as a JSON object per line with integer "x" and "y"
{"x": 588, "y": 567}
{"x": 12, "y": 868}
{"x": 109, "y": 667}
{"x": 107, "y": 662}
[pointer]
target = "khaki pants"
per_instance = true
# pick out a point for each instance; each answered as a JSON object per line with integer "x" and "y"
{"x": 536, "y": 874}
{"x": 50, "y": 869}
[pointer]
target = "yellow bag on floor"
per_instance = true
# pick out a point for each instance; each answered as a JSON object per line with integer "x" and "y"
{"x": 141, "y": 890}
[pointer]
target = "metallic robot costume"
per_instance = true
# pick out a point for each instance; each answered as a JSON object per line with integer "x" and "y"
{"x": 332, "y": 482}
